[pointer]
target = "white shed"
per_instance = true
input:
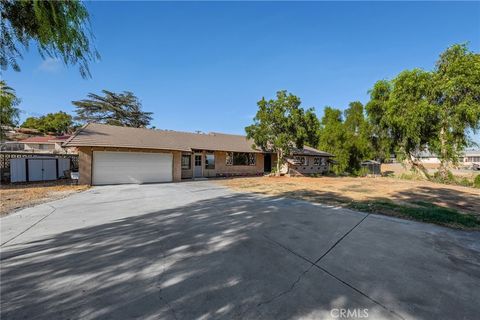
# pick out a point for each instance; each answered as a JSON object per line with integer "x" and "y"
{"x": 38, "y": 169}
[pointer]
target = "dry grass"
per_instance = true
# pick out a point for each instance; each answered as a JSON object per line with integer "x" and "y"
{"x": 15, "y": 197}
{"x": 354, "y": 192}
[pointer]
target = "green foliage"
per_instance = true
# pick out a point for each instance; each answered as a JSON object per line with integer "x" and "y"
{"x": 332, "y": 138}
{"x": 54, "y": 123}
{"x": 421, "y": 110}
{"x": 9, "y": 113}
{"x": 447, "y": 178}
{"x": 380, "y": 136}
{"x": 118, "y": 109}
{"x": 60, "y": 29}
{"x": 281, "y": 124}
{"x": 348, "y": 140}
{"x": 465, "y": 182}
{"x": 409, "y": 116}
{"x": 476, "y": 181}
{"x": 455, "y": 96}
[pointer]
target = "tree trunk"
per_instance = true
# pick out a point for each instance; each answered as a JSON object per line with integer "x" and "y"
{"x": 416, "y": 166}
{"x": 279, "y": 159}
{"x": 444, "y": 161}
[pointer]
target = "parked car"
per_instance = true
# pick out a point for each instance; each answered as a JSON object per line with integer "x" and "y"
{"x": 476, "y": 166}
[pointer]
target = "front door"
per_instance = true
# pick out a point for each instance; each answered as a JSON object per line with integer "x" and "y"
{"x": 267, "y": 162}
{"x": 197, "y": 168}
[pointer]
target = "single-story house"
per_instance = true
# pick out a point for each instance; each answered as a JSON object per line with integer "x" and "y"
{"x": 44, "y": 144}
{"x": 115, "y": 155}
{"x": 467, "y": 158}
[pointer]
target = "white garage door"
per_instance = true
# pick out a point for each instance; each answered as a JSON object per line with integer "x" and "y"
{"x": 131, "y": 167}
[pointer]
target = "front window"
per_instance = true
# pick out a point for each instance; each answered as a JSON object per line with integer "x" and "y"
{"x": 186, "y": 161}
{"x": 210, "y": 161}
{"x": 240, "y": 159}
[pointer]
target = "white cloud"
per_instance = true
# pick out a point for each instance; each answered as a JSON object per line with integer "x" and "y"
{"x": 51, "y": 65}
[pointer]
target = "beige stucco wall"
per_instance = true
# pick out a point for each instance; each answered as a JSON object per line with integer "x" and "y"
{"x": 36, "y": 146}
{"x": 85, "y": 161}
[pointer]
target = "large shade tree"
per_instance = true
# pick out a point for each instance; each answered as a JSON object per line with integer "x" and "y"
{"x": 357, "y": 137}
{"x": 9, "y": 113}
{"x": 420, "y": 110}
{"x": 52, "y": 123}
{"x": 380, "y": 135}
{"x": 59, "y": 29}
{"x": 281, "y": 124}
{"x": 455, "y": 97}
{"x": 347, "y": 136}
{"x": 409, "y": 117}
{"x": 118, "y": 109}
{"x": 332, "y": 137}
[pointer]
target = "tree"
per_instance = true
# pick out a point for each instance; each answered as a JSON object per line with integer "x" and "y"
{"x": 455, "y": 96}
{"x": 332, "y": 137}
{"x": 9, "y": 113}
{"x": 281, "y": 124}
{"x": 346, "y": 136}
{"x": 406, "y": 114}
{"x": 380, "y": 138}
{"x": 53, "y": 123}
{"x": 357, "y": 137}
{"x": 118, "y": 109}
{"x": 60, "y": 29}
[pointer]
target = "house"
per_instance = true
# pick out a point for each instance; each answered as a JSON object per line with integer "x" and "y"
{"x": 115, "y": 155}
{"x": 467, "y": 158}
{"x": 306, "y": 161}
{"x": 44, "y": 144}
{"x": 471, "y": 157}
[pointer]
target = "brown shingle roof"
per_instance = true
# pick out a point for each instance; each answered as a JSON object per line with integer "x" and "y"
{"x": 100, "y": 135}
{"x": 309, "y": 151}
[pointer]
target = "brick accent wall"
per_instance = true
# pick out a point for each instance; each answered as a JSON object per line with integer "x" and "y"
{"x": 308, "y": 169}
{"x": 221, "y": 167}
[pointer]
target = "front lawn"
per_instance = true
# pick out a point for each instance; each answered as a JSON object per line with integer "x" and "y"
{"x": 17, "y": 196}
{"x": 448, "y": 205}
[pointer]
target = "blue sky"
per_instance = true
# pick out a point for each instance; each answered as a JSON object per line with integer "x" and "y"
{"x": 203, "y": 66}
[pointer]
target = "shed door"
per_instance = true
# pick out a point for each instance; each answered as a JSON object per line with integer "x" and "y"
{"x": 50, "y": 169}
{"x": 35, "y": 170}
{"x": 111, "y": 167}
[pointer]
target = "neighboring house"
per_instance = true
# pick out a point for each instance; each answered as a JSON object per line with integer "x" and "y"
{"x": 45, "y": 144}
{"x": 471, "y": 157}
{"x": 115, "y": 155}
{"x": 468, "y": 158}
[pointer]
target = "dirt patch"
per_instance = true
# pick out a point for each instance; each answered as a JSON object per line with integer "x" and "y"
{"x": 15, "y": 197}
{"x": 344, "y": 191}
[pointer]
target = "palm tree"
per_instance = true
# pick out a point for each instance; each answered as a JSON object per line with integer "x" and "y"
{"x": 9, "y": 114}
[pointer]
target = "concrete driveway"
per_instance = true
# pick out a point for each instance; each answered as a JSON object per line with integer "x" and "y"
{"x": 195, "y": 250}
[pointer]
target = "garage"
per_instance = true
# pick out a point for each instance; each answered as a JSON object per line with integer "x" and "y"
{"x": 112, "y": 167}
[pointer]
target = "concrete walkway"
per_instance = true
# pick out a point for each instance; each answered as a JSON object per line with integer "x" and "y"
{"x": 195, "y": 250}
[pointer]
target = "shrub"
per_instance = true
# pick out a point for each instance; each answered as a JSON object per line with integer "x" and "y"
{"x": 464, "y": 182}
{"x": 476, "y": 182}
{"x": 362, "y": 172}
{"x": 449, "y": 179}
